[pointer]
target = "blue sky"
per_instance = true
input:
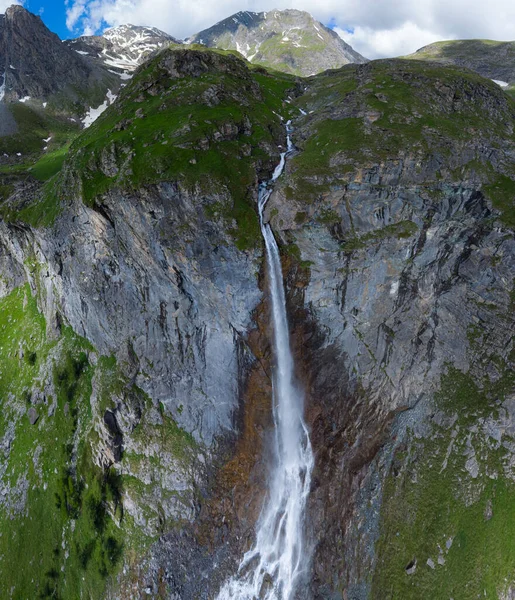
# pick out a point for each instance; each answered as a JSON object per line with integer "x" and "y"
{"x": 375, "y": 28}
{"x": 53, "y": 14}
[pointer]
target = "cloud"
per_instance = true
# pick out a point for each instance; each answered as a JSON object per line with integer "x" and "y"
{"x": 382, "y": 43}
{"x": 75, "y": 12}
{"x": 379, "y": 27}
{"x": 6, "y": 3}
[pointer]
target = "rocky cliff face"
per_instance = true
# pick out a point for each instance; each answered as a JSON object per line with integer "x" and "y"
{"x": 409, "y": 289}
{"x": 135, "y": 353}
{"x": 400, "y": 277}
{"x": 158, "y": 282}
{"x": 290, "y": 40}
{"x": 37, "y": 67}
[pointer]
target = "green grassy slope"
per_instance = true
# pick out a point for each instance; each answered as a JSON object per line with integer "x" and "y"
{"x": 209, "y": 131}
{"x": 61, "y": 519}
{"x": 433, "y": 509}
{"x": 34, "y": 128}
{"x": 48, "y": 467}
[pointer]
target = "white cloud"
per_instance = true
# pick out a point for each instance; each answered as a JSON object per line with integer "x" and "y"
{"x": 382, "y": 43}
{"x": 6, "y": 3}
{"x": 381, "y": 27}
{"x": 75, "y": 12}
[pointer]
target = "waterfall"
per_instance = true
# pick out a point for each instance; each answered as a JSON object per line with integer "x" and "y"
{"x": 2, "y": 87}
{"x": 272, "y": 568}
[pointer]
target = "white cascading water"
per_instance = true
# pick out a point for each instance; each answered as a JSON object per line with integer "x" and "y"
{"x": 272, "y": 569}
{"x": 2, "y": 87}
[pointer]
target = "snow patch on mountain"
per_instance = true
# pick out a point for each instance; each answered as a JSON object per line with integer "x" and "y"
{"x": 124, "y": 47}
{"x": 121, "y": 61}
{"x": 93, "y": 113}
{"x": 123, "y": 76}
{"x": 120, "y": 50}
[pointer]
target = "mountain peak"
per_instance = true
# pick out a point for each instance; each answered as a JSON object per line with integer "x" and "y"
{"x": 16, "y": 11}
{"x": 123, "y": 47}
{"x": 288, "y": 40}
{"x": 135, "y": 32}
{"x": 37, "y": 66}
{"x": 16, "y": 8}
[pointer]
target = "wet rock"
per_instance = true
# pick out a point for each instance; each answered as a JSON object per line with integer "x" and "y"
{"x": 267, "y": 586}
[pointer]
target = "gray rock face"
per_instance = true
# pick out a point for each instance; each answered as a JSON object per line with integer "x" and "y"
{"x": 13, "y": 274}
{"x": 392, "y": 316}
{"x": 50, "y": 68}
{"x": 148, "y": 279}
{"x": 358, "y": 297}
{"x": 288, "y": 40}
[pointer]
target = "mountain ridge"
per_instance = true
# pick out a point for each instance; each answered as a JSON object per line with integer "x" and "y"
{"x": 490, "y": 58}
{"x": 122, "y": 48}
{"x": 289, "y": 40}
{"x": 50, "y": 71}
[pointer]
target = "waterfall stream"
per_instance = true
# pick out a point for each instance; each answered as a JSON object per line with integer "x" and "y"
{"x": 272, "y": 568}
{"x": 2, "y": 87}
